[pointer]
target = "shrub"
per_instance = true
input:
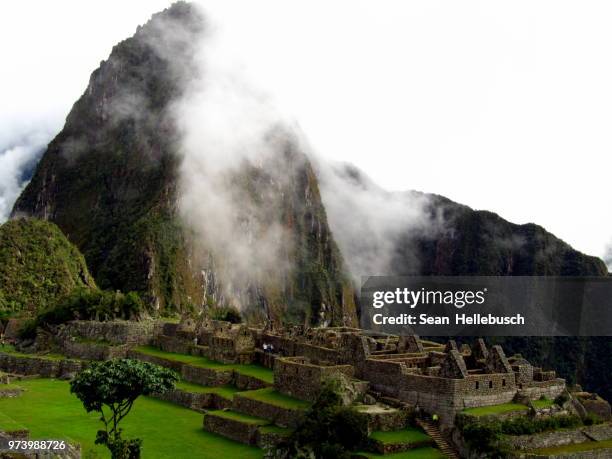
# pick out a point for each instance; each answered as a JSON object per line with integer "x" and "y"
{"x": 562, "y": 398}
{"x": 591, "y": 419}
{"x": 329, "y": 429}
{"x": 528, "y": 426}
{"x": 482, "y": 437}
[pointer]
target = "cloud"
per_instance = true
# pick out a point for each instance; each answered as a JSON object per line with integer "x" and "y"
{"x": 607, "y": 256}
{"x": 17, "y": 162}
{"x": 371, "y": 224}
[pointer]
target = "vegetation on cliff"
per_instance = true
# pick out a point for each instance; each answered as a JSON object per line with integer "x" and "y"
{"x": 86, "y": 304}
{"x": 38, "y": 266}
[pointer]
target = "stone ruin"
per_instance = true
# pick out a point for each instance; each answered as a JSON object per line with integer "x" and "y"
{"x": 431, "y": 377}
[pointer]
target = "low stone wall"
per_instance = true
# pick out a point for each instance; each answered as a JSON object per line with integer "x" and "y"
{"x": 35, "y": 365}
{"x": 391, "y": 448}
{"x": 206, "y": 376}
{"x": 558, "y": 438}
{"x": 172, "y": 364}
{"x": 265, "y": 359}
{"x": 283, "y": 417}
{"x": 268, "y": 440}
{"x": 174, "y": 344}
{"x": 94, "y": 351}
{"x": 603, "y": 453}
{"x": 232, "y": 429}
{"x": 318, "y": 353}
{"x": 245, "y": 382}
{"x": 549, "y": 389}
{"x": 195, "y": 400}
{"x": 115, "y": 331}
{"x": 298, "y": 377}
{"x": 383, "y": 419}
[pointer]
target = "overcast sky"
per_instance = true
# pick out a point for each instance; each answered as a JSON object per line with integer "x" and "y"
{"x": 505, "y": 106}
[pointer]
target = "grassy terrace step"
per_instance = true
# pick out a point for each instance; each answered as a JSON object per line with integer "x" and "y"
{"x": 495, "y": 409}
{"x": 575, "y": 448}
{"x": 417, "y": 453}
{"x": 8, "y": 424}
{"x": 408, "y": 435}
{"x": 223, "y": 391}
{"x": 255, "y": 371}
{"x": 49, "y": 410}
{"x": 543, "y": 403}
{"x": 8, "y": 349}
{"x": 273, "y": 397}
{"x": 242, "y": 418}
{"x": 271, "y": 429}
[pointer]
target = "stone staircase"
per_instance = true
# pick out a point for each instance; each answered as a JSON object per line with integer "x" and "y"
{"x": 431, "y": 428}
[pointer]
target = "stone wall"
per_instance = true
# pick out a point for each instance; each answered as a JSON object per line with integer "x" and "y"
{"x": 549, "y": 389}
{"x": 172, "y": 364}
{"x": 384, "y": 375}
{"x": 445, "y": 397}
{"x": 174, "y": 344}
{"x": 233, "y": 429}
{"x": 206, "y": 376}
{"x": 298, "y": 377}
{"x": 246, "y": 382}
{"x": 382, "y": 418}
{"x": 115, "y": 332}
{"x": 558, "y": 438}
{"x": 42, "y": 366}
{"x": 93, "y": 351}
{"x": 265, "y": 359}
{"x": 195, "y": 400}
{"x": 280, "y": 416}
{"x": 268, "y": 440}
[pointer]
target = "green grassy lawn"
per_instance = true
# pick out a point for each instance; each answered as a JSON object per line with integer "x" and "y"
{"x": 275, "y": 429}
{"x": 224, "y": 391}
{"x": 543, "y": 403}
{"x": 50, "y": 411}
{"x": 269, "y": 395}
{"x": 245, "y": 418}
{"x": 577, "y": 447}
{"x": 416, "y": 453}
{"x": 495, "y": 409}
{"x": 407, "y": 435}
{"x": 9, "y": 349}
{"x": 256, "y": 371}
{"x": 9, "y": 424}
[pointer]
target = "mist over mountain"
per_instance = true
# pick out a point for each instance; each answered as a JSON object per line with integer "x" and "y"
{"x": 177, "y": 179}
{"x": 414, "y": 233}
{"x": 189, "y": 224}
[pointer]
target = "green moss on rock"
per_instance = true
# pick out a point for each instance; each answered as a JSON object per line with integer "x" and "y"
{"x": 38, "y": 265}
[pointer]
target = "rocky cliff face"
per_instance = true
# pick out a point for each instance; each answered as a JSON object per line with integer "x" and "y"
{"x": 109, "y": 181}
{"x": 470, "y": 242}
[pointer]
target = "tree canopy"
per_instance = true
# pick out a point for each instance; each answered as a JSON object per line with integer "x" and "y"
{"x": 111, "y": 387}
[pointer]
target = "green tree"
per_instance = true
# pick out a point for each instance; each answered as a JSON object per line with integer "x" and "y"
{"x": 329, "y": 429}
{"x": 111, "y": 387}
